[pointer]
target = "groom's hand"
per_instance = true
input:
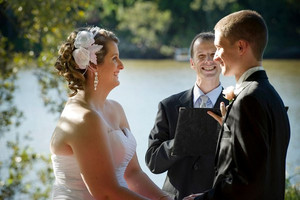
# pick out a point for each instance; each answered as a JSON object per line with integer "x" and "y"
{"x": 223, "y": 113}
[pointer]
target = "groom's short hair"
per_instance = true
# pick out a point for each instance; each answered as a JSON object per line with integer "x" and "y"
{"x": 245, "y": 25}
{"x": 205, "y": 36}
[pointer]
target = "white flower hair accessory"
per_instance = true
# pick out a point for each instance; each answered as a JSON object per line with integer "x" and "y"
{"x": 86, "y": 48}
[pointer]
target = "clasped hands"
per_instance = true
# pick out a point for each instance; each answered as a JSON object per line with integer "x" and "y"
{"x": 191, "y": 197}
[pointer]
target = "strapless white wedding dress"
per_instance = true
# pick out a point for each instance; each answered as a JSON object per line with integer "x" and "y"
{"x": 68, "y": 181}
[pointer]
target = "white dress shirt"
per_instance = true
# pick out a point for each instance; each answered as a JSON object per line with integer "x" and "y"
{"x": 212, "y": 95}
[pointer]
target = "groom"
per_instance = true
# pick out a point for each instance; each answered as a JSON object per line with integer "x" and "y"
{"x": 253, "y": 142}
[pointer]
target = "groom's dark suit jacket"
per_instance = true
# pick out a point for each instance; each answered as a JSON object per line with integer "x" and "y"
{"x": 252, "y": 145}
{"x": 186, "y": 175}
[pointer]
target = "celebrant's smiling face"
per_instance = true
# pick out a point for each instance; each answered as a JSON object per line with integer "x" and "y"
{"x": 111, "y": 67}
{"x": 202, "y": 61}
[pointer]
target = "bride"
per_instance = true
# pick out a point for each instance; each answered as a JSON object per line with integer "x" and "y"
{"x": 93, "y": 150}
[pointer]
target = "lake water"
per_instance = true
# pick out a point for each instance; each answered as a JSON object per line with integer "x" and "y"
{"x": 143, "y": 84}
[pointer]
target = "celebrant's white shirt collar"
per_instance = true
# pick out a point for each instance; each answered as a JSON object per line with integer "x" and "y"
{"x": 245, "y": 75}
{"x": 212, "y": 95}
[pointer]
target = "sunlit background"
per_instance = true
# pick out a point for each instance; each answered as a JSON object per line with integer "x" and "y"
{"x": 154, "y": 35}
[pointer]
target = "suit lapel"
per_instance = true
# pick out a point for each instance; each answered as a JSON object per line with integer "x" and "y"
{"x": 186, "y": 100}
{"x": 253, "y": 77}
{"x": 220, "y": 99}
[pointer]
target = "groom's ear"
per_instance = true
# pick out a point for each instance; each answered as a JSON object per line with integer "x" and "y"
{"x": 243, "y": 46}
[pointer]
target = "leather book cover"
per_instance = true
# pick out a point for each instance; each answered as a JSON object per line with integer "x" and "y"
{"x": 196, "y": 133}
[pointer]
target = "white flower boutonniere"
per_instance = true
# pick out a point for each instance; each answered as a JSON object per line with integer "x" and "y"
{"x": 229, "y": 93}
{"x": 85, "y": 51}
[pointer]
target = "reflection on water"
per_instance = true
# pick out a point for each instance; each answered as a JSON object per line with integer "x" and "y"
{"x": 143, "y": 84}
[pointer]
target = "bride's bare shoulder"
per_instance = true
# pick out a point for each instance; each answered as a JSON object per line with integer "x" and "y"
{"x": 119, "y": 114}
{"x": 75, "y": 124}
{"x": 76, "y": 118}
{"x": 115, "y": 105}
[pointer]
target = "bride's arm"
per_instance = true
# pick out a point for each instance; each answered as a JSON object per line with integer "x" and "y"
{"x": 89, "y": 142}
{"x": 139, "y": 182}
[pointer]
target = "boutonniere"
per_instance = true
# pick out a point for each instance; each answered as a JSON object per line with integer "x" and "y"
{"x": 229, "y": 93}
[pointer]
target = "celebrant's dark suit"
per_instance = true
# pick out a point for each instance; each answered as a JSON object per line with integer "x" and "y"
{"x": 252, "y": 145}
{"x": 188, "y": 174}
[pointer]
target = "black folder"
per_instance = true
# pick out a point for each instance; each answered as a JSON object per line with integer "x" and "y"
{"x": 196, "y": 132}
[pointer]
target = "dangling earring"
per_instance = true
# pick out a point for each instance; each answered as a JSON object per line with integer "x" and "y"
{"x": 96, "y": 81}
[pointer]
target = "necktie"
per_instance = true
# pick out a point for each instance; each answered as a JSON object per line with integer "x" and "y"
{"x": 203, "y": 101}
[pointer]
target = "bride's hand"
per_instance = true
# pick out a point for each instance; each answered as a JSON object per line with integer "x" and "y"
{"x": 223, "y": 113}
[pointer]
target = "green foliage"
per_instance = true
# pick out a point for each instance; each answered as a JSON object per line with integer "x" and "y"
{"x": 292, "y": 191}
{"x": 146, "y": 30}
{"x": 9, "y": 114}
{"x": 21, "y": 181}
{"x": 143, "y": 35}
{"x": 34, "y": 25}
{"x": 193, "y": 16}
{"x": 32, "y": 31}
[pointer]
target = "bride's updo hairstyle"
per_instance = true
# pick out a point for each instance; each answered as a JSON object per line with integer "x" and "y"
{"x": 66, "y": 65}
